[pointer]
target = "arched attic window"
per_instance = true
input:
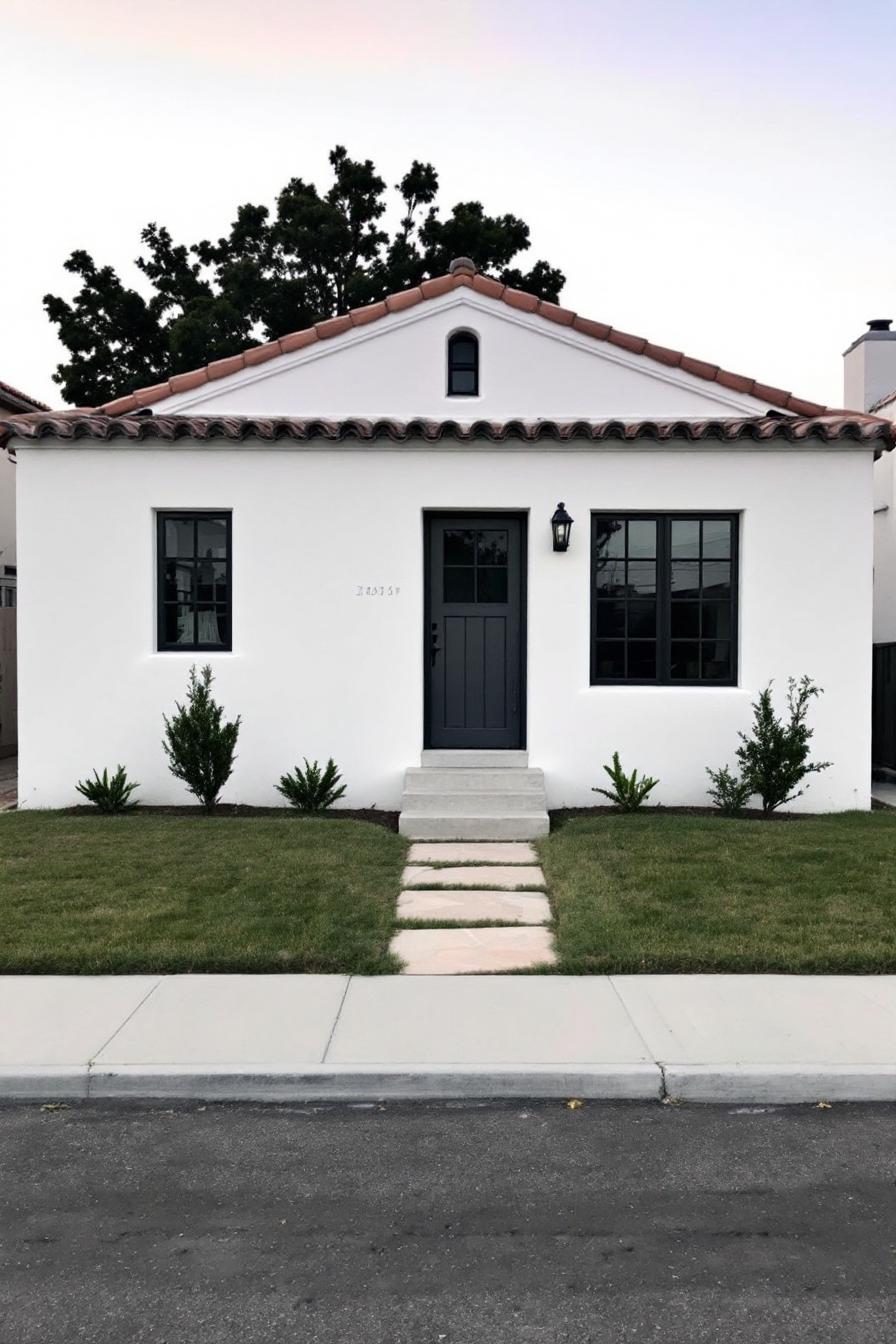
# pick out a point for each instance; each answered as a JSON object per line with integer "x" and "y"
{"x": 463, "y": 364}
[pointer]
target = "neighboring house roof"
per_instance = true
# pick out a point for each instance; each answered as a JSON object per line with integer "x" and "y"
{"x": 882, "y": 402}
{"x": 16, "y": 402}
{"x": 73, "y": 425}
{"x": 463, "y": 273}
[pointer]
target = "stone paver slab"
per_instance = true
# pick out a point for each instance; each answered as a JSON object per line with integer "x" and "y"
{"x": 473, "y": 851}
{"x": 764, "y": 1019}
{"x": 64, "y": 1019}
{"x": 486, "y": 1020}
{"x": 507, "y": 878}
{"x": 465, "y": 907}
{"x": 471, "y": 951}
{"x": 231, "y": 1019}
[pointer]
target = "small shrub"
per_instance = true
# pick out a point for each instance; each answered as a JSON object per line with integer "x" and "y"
{"x": 729, "y": 792}
{"x": 312, "y": 789}
{"x": 628, "y": 792}
{"x": 109, "y": 795}
{"x": 775, "y": 758}
{"x": 199, "y": 745}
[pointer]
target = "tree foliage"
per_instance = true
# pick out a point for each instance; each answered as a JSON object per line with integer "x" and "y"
{"x": 315, "y": 255}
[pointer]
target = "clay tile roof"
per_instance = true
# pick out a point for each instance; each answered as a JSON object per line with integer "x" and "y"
{"x": 464, "y": 274}
{"x": 69, "y": 426}
{"x": 15, "y": 402}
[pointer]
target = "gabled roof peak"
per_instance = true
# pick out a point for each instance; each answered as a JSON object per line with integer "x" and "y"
{"x": 463, "y": 274}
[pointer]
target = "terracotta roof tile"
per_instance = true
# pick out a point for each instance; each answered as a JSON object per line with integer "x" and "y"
{"x": 259, "y": 354}
{"x": 406, "y": 298}
{"x": 371, "y": 312}
{"x": 297, "y": 340}
{"x": 441, "y": 284}
{"x": 518, "y": 298}
{"x": 699, "y": 368}
{"x": 69, "y": 426}
{"x": 223, "y": 368}
{"x": 554, "y": 313}
{"x": 493, "y": 289}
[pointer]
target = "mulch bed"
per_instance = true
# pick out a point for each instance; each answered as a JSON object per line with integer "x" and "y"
{"x": 372, "y": 814}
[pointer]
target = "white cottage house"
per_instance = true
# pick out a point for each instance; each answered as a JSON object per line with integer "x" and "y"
{"x": 353, "y": 526}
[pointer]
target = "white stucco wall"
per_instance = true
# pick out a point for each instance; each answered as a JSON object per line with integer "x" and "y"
{"x": 317, "y": 670}
{"x": 885, "y": 543}
{"x": 530, "y": 368}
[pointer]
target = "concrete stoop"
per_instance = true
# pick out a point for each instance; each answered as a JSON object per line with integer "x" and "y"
{"x": 473, "y": 795}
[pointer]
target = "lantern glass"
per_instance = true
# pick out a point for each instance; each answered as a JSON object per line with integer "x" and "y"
{"x": 561, "y": 526}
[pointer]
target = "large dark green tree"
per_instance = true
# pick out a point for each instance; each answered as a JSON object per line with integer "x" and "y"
{"x": 315, "y": 255}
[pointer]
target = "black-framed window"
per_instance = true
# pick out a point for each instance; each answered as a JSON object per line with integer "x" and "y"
{"x": 664, "y": 598}
{"x": 463, "y": 364}
{"x": 194, "y": 580}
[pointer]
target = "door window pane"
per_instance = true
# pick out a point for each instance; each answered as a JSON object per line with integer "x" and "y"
{"x": 716, "y": 578}
{"x": 716, "y": 660}
{"x": 212, "y": 538}
{"x": 180, "y": 535}
{"x": 459, "y": 585}
{"x": 458, "y": 548}
{"x": 491, "y": 585}
{"x": 610, "y": 576}
{"x": 491, "y": 548}
{"x": 641, "y": 577}
{"x": 685, "y": 664}
{"x": 684, "y": 618}
{"x": 641, "y": 620}
{"x": 609, "y": 537}
{"x": 685, "y": 578}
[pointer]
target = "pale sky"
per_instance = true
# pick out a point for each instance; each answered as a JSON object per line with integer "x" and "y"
{"x": 713, "y": 175}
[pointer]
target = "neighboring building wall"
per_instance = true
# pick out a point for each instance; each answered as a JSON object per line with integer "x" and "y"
{"x": 7, "y": 530}
{"x": 319, "y": 671}
{"x": 884, "y": 550}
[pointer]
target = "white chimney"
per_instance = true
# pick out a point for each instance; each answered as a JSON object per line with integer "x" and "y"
{"x": 869, "y": 366}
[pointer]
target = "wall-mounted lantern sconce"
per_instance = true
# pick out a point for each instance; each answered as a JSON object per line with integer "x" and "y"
{"x": 561, "y": 526}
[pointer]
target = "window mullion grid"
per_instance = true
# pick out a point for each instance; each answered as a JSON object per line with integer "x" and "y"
{"x": 663, "y": 599}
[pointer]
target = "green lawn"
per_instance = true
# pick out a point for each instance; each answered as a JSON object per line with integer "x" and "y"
{"x": 682, "y": 893}
{"x": 166, "y": 893}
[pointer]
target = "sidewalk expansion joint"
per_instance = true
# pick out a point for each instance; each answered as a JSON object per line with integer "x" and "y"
{"x": 323, "y": 1058}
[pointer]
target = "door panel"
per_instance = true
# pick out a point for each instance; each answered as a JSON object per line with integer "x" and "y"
{"x": 474, "y": 634}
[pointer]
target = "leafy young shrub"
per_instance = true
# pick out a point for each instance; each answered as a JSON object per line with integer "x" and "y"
{"x": 109, "y": 795}
{"x": 775, "y": 758}
{"x": 199, "y": 745}
{"x": 312, "y": 789}
{"x": 729, "y": 792}
{"x": 628, "y": 792}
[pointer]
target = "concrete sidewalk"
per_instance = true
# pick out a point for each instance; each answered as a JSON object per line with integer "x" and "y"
{"x": 747, "y": 1038}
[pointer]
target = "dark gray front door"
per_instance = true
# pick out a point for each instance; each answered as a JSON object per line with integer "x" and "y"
{"x": 474, "y": 631}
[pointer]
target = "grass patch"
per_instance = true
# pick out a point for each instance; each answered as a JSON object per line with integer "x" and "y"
{"x": 91, "y": 894}
{"x": 686, "y": 893}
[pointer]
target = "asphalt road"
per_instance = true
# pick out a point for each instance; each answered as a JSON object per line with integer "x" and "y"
{"x": 447, "y": 1224}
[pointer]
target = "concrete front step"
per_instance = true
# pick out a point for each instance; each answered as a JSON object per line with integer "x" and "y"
{"x": 473, "y": 802}
{"x": 429, "y": 779}
{"x": 475, "y": 760}
{"x": 521, "y": 826}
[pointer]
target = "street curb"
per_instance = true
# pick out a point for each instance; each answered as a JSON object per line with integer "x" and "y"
{"x": 781, "y": 1083}
{"x": 432, "y": 1082}
{"x": 43, "y": 1082}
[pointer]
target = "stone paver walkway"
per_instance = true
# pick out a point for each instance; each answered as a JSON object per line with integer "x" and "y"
{"x": 495, "y": 884}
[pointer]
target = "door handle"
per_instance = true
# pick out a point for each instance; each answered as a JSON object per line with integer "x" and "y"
{"x": 434, "y": 646}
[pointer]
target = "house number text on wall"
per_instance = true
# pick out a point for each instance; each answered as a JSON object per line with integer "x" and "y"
{"x": 376, "y": 590}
